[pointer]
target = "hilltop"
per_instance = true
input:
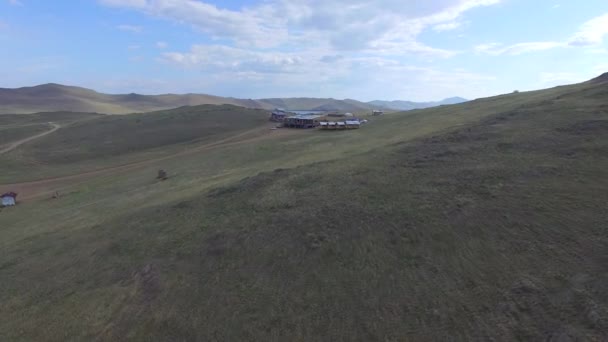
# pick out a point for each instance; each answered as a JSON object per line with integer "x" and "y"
{"x": 55, "y": 97}
{"x": 328, "y": 104}
{"x": 410, "y": 105}
{"x": 601, "y": 79}
{"x": 483, "y": 220}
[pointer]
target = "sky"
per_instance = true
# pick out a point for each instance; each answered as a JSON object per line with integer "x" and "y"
{"x": 365, "y": 50}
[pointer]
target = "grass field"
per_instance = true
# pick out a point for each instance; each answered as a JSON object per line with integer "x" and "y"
{"x": 479, "y": 221}
{"x": 64, "y": 118}
{"x": 115, "y": 140}
{"x": 10, "y": 134}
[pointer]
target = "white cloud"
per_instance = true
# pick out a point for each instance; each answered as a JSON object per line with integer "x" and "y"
{"x": 15, "y": 2}
{"x": 496, "y": 49}
{"x": 315, "y": 47}
{"x": 592, "y": 32}
{"x": 40, "y": 64}
{"x": 125, "y": 3}
{"x": 447, "y": 26}
{"x": 600, "y": 68}
{"x": 130, "y": 28}
{"x": 598, "y": 51}
{"x": 552, "y": 78}
{"x": 134, "y": 47}
{"x": 312, "y": 74}
{"x": 257, "y": 27}
{"x": 336, "y": 24}
{"x": 162, "y": 45}
{"x": 226, "y": 58}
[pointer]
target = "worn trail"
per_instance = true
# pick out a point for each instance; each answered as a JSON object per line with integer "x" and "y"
{"x": 18, "y": 143}
{"x": 44, "y": 187}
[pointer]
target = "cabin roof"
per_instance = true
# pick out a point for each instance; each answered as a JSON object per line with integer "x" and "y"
{"x": 305, "y": 117}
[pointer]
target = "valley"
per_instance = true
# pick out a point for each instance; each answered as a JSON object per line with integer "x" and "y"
{"x": 483, "y": 220}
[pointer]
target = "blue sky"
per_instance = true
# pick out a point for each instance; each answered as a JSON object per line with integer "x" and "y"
{"x": 385, "y": 49}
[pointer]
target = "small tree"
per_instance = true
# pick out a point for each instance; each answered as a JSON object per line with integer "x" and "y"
{"x": 162, "y": 175}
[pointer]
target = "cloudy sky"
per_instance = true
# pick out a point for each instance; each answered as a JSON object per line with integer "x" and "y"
{"x": 385, "y": 49}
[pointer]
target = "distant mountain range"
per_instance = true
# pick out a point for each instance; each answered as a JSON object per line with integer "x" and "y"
{"x": 409, "y": 105}
{"x": 57, "y": 97}
{"x": 321, "y": 104}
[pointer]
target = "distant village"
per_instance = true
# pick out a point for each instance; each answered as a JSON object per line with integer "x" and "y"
{"x": 323, "y": 121}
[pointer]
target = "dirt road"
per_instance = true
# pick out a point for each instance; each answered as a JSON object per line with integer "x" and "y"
{"x": 18, "y": 143}
{"x": 46, "y": 187}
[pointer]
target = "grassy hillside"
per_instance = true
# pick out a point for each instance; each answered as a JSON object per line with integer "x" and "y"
{"x": 105, "y": 139}
{"x": 12, "y": 120}
{"x": 410, "y": 105}
{"x": 479, "y": 221}
{"x": 15, "y": 127}
{"x": 10, "y": 134}
{"x": 307, "y": 103}
{"x": 56, "y": 97}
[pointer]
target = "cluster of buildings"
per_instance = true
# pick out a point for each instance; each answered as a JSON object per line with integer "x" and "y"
{"x": 326, "y": 121}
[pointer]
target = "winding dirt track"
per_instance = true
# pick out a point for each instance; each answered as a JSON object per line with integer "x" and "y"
{"x": 33, "y": 137}
{"x": 45, "y": 187}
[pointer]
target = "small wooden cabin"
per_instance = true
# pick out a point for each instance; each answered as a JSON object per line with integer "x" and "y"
{"x": 353, "y": 124}
{"x": 9, "y": 199}
{"x": 377, "y": 112}
{"x": 278, "y": 115}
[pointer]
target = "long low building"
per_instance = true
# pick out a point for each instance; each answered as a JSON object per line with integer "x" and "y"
{"x": 339, "y": 125}
{"x": 302, "y": 121}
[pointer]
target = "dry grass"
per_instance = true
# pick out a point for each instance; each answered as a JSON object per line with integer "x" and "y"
{"x": 481, "y": 221}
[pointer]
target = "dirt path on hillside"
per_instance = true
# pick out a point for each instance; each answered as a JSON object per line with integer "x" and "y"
{"x": 46, "y": 187}
{"x": 18, "y": 143}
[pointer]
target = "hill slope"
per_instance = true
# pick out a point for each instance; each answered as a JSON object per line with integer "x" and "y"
{"x": 56, "y": 97}
{"x": 114, "y": 135}
{"x": 409, "y": 105}
{"x": 309, "y": 103}
{"x": 481, "y": 221}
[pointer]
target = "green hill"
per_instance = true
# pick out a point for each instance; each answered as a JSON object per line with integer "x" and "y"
{"x": 309, "y": 103}
{"x": 56, "y": 97}
{"x": 410, "y": 105}
{"x": 11, "y": 120}
{"x": 115, "y": 135}
{"x": 14, "y": 127}
{"x": 108, "y": 140}
{"x": 478, "y": 221}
